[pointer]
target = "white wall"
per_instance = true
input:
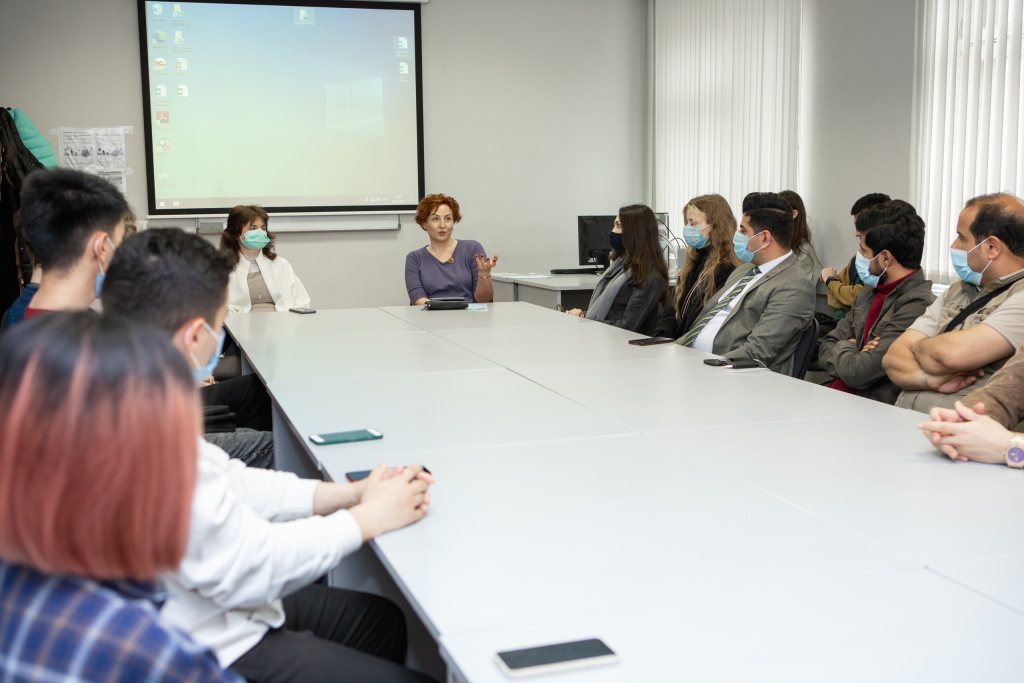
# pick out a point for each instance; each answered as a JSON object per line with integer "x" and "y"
{"x": 857, "y": 74}
{"x": 533, "y": 113}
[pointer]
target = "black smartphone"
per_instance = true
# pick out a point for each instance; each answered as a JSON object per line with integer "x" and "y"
{"x": 302, "y": 311}
{"x": 559, "y": 657}
{"x": 648, "y": 341}
{"x": 716, "y": 362}
{"x": 345, "y": 437}
{"x": 744, "y": 363}
{"x": 363, "y": 474}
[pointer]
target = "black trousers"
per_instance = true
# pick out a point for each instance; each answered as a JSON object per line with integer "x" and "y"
{"x": 330, "y": 634}
{"x": 246, "y": 397}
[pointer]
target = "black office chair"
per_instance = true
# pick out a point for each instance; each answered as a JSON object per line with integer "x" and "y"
{"x": 805, "y": 350}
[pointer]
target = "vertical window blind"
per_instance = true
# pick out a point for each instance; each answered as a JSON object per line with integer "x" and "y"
{"x": 725, "y": 100}
{"x": 968, "y": 107}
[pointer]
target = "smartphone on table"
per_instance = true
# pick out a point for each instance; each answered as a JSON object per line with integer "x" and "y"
{"x": 558, "y": 657}
{"x": 302, "y": 311}
{"x": 345, "y": 437}
{"x": 363, "y": 474}
{"x": 650, "y": 341}
{"x": 738, "y": 364}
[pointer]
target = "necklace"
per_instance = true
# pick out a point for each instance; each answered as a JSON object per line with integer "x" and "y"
{"x": 451, "y": 259}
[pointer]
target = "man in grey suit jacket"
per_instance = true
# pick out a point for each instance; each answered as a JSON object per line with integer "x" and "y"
{"x": 767, "y": 302}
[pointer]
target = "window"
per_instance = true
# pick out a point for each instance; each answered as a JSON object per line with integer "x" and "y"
{"x": 968, "y": 125}
{"x": 726, "y": 95}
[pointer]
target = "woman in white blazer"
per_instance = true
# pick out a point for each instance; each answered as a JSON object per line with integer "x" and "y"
{"x": 262, "y": 280}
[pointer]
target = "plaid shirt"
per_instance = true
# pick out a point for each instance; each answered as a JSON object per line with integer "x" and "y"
{"x": 69, "y": 628}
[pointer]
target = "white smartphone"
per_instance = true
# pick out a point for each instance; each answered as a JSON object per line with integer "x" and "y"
{"x": 578, "y": 654}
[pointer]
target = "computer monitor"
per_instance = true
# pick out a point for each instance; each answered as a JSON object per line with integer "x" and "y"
{"x": 595, "y": 248}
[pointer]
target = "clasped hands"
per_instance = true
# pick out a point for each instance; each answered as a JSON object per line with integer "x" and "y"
{"x": 391, "y": 498}
{"x": 962, "y": 433}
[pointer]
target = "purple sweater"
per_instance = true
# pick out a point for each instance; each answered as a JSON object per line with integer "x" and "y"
{"x": 425, "y": 276}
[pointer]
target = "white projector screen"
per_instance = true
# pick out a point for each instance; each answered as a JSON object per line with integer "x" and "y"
{"x": 297, "y": 108}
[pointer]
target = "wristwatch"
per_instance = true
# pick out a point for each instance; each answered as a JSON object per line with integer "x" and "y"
{"x": 830, "y": 279}
{"x": 1015, "y": 452}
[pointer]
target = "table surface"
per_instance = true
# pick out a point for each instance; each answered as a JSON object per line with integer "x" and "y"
{"x": 762, "y": 527}
{"x": 899, "y": 627}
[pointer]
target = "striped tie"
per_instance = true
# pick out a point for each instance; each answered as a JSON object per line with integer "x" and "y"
{"x": 691, "y": 336}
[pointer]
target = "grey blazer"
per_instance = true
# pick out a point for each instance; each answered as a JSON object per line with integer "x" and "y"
{"x": 767, "y": 323}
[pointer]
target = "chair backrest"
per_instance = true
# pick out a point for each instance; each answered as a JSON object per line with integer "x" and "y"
{"x": 805, "y": 350}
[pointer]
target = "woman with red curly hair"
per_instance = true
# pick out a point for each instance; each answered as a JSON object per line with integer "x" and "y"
{"x": 99, "y": 435}
{"x": 446, "y": 267}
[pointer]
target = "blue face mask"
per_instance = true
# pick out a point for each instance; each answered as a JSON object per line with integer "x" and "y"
{"x": 964, "y": 271}
{"x": 615, "y": 239}
{"x": 256, "y": 239}
{"x": 692, "y": 236}
{"x": 739, "y": 245}
{"x": 864, "y": 271}
{"x": 202, "y": 372}
{"x": 101, "y": 275}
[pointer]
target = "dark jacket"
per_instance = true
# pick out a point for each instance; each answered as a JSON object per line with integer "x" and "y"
{"x": 636, "y": 308}
{"x": 671, "y": 324}
{"x": 863, "y": 372}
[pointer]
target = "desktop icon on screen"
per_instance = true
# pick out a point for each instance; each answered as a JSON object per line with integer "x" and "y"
{"x": 158, "y": 9}
{"x": 163, "y": 145}
{"x": 403, "y": 43}
{"x": 177, "y": 10}
{"x": 181, "y": 63}
{"x": 178, "y": 39}
{"x": 161, "y": 91}
{"x": 403, "y": 68}
{"x": 163, "y": 117}
{"x": 182, "y": 91}
{"x": 159, "y": 63}
{"x": 159, "y": 37}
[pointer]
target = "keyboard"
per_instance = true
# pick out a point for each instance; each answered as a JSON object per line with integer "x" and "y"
{"x": 585, "y": 270}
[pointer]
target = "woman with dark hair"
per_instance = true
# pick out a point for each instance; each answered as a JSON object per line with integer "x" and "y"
{"x": 262, "y": 281}
{"x": 630, "y": 289}
{"x": 99, "y": 434}
{"x": 446, "y": 267}
{"x": 805, "y": 255}
{"x": 710, "y": 258}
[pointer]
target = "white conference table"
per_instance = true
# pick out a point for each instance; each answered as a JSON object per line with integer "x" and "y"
{"x": 709, "y": 524}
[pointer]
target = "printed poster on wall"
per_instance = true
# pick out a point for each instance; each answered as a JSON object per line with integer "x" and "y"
{"x": 95, "y": 150}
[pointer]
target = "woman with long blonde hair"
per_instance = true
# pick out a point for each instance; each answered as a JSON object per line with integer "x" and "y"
{"x": 710, "y": 226}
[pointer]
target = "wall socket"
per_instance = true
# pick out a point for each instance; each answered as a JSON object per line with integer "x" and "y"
{"x": 210, "y": 227}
